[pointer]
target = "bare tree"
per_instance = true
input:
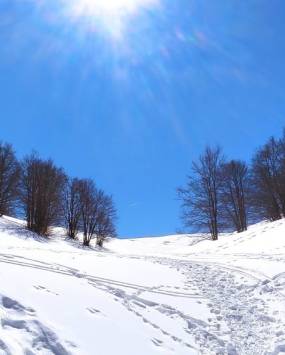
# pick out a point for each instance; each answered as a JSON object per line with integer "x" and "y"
{"x": 42, "y": 186}
{"x": 268, "y": 180}
{"x": 107, "y": 215}
{"x": 72, "y": 207}
{"x": 87, "y": 198}
{"x": 200, "y": 196}
{"x": 9, "y": 179}
{"x": 233, "y": 194}
{"x": 97, "y": 213}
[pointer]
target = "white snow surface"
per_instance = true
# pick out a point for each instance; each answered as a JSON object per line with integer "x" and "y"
{"x": 180, "y": 294}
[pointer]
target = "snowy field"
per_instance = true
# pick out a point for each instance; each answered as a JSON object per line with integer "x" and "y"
{"x": 169, "y": 295}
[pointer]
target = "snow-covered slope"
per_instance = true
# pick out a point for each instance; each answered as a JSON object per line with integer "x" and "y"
{"x": 169, "y": 295}
{"x": 263, "y": 237}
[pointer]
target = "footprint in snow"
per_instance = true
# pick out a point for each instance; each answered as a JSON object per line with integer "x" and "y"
{"x": 11, "y": 304}
{"x": 95, "y": 311}
{"x": 157, "y": 342}
{"x": 38, "y": 337}
{"x": 42, "y": 288}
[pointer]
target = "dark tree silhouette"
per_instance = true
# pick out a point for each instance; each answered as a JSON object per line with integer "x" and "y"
{"x": 9, "y": 179}
{"x": 200, "y": 196}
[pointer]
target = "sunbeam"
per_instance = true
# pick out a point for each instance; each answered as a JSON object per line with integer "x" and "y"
{"x": 110, "y": 15}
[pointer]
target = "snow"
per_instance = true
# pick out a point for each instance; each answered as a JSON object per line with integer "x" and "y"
{"x": 180, "y": 294}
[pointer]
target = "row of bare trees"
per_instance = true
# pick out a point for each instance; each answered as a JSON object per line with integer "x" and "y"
{"x": 47, "y": 197}
{"x": 224, "y": 195}
{"x": 90, "y": 210}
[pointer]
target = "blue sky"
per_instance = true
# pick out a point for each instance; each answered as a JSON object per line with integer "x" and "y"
{"x": 131, "y": 98}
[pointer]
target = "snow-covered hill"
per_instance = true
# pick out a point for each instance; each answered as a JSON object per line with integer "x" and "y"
{"x": 168, "y": 295}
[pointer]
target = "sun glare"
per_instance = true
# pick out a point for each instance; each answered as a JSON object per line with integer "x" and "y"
{"x": 111, "y": 15}
{"x": 112, "y": 6}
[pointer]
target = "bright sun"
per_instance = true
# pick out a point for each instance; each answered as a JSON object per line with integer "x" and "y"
{"x": 111, "y": 15}
{"x": 111, "y": 6}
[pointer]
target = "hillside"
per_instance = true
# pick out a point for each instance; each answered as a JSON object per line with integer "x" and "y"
{"x": 169, "y": 295}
